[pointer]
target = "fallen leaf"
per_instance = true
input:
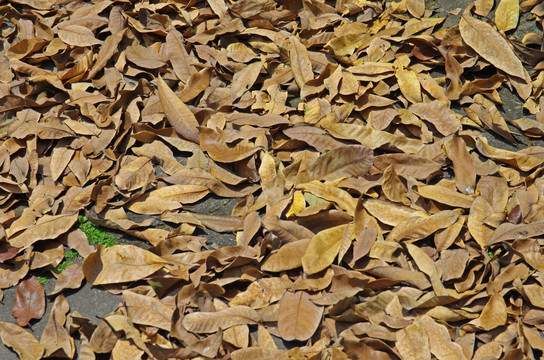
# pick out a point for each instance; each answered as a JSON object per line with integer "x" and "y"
{"x": 21, "y": 341}
{"x": 298, "y": 317}
{"x": 29, "y": 301}
{"x": 210, "y": 322}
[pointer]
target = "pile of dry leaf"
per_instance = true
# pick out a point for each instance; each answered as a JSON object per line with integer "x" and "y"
{"x": 374, "y": 221}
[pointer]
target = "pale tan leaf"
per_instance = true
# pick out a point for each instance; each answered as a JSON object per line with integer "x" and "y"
{"x": 483, "y": 7}
{"x": 353, "y": 160}
{"x": 408, "y": 83}
{"x": 119, "y": 264}
{"x": 420, "y": 227}
{"x": 210, "y": 322}
{"x": 438, "y": 114}
{"x": 374, "y": 138}
{"x": 178, "y": 56}
{"x": 413, "y": 343}
{"x": 440, "y": 342}
{"x": 288, "y": 257}
{"x": 178, "y": 114}
{"x": 134, "y": 174}
{"x": 47, "y": 227}
{"x": 298, "y": 317}
{"x": 146, "y": 310}
{"x": 300, "y": 62}
{"x": 493, "y": 314}
{"x": 21, "y": 341}
{"x": 490, "y": 45}
{"x": 76, "y": 35}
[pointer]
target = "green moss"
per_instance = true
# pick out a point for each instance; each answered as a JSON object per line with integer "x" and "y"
{"x": 63, "y": 265}
{"x": 95, "y": 235}
{"x": 71, "y": 254}
{"x": 42, "y": 279}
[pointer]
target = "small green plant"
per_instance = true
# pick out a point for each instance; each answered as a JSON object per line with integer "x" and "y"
{"x": 63, "y": 265}
{"x": 42, "y": 279}
{"x": 71, "y": 254}
{"x": 95, "y": 235}
{"x": 491, "y": 255}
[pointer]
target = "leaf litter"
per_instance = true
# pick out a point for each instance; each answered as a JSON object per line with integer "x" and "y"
{"x": 372, "y": 220}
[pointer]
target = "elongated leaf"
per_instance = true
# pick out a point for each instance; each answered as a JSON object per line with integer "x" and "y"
{"x": 490, "y": 45}
{"x": 418, "y": 228}
{"x": 77, "y": 35}
{"x": 178, "y": 114}
{"x": 300, "y": 62}
{"x": 47, "y": 227}
{"x": 509, "y": 231}
{"x": 120, "y": 264}
{"x": 346, "y": 161}
{"x": 178, "y": 56}
{"x": 21, "y": 341}
{"x": 209, "y": 322}
{"x": 55, "y": 337}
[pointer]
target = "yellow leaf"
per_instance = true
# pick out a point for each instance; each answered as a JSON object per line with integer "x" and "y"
{"x": 444, "y": 195}
{"x": 408, "y": 83}
{"x": 331, "y": 193}
{"x": 297, "y": 205}
{"x": 322, "y": 249}
{"x": 507, "y": 15}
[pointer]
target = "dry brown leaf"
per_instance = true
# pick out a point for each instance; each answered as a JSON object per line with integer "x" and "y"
{"x": 70, "y": 278}
{"x": 463, "y": 166}
{"x": 178, "y": 114}
{"x": 55, "y": 338}
{"x": 29, "y": 301}
{"x": 46, "y": 227}
{"x": 288, "y": 257}
{"x": 440, "y": 342}
{"x": 146, "y": 310}
{"x": 135, "y": 174}
{"x": 488, "y": 43}
{"x": 21, "y": 341}
{"x": 298, "y": 317}
{"x": 413, "y": 343}
{"x": 322, "y": 249}
{"x": 493, "y": 314}
{"x": 416, "y": 228}
{"x": 346, "y": 161}
{"x": 300, "y": 62}
{"x": 76, "y": 35}
{"x": 439, "y": 115}
{"x": 210, "y": 322}
{"x": 120, "y": 264}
